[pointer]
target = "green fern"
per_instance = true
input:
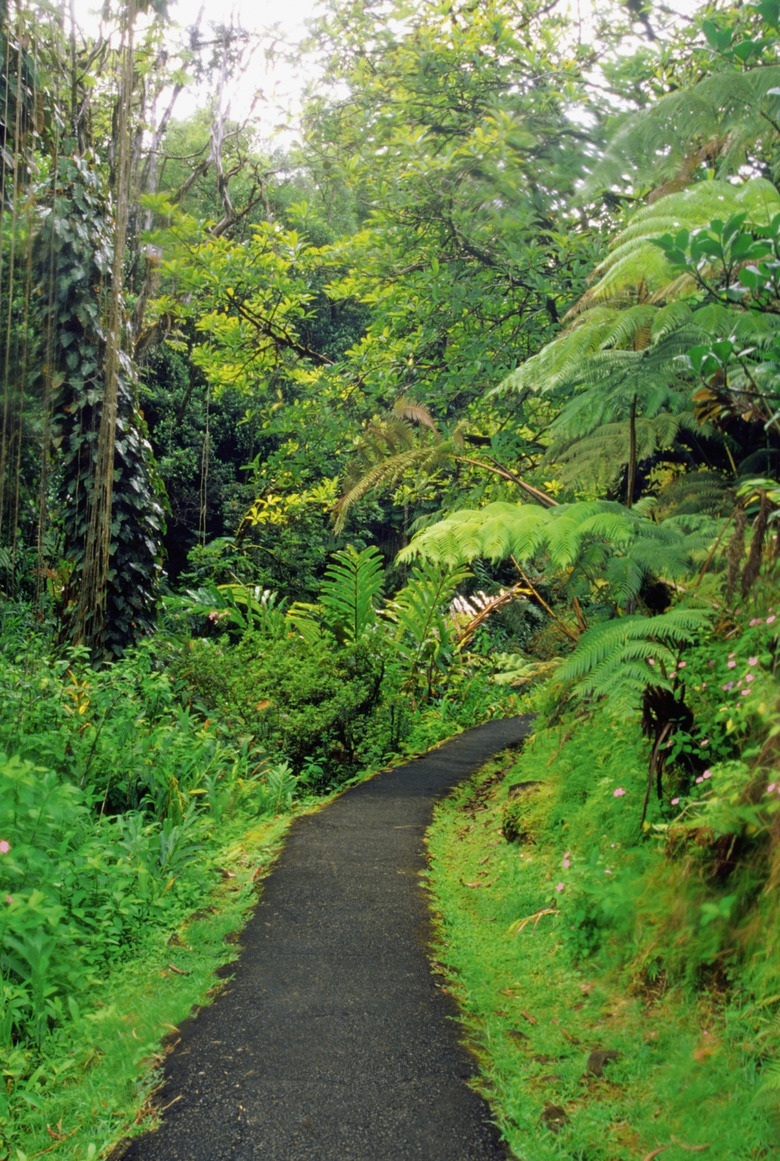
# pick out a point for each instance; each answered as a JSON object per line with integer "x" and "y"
{"x": 619, "y": 658}
{"x": 424, "y": 635}
{"x": 724, "y": 119}
{"x": 580, "y": 536}
{"x": 352, "y": 582}
{"x": 303, "y": 618}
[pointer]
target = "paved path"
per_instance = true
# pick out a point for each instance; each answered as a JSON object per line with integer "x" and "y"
{"x": 332, "y": 1041}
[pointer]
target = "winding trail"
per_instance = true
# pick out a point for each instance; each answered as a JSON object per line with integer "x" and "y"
{"x": 332, "y": 1041}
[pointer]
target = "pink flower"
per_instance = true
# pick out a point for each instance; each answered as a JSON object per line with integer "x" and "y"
{"x": 769, "y": 620}
{"x": 618, "y": 793}
{"x": 732, "y": 655}
{"x": 707, "y": 774}
{"x": 728, "y": 685}
{"x": 675, "y": 801}
{"x": 4, "y": 847}
{"x": 752, "y": 661}
{"x": 704, "y": 742}
{"x": 9, "y": 900}
{"x": 651, "y": 661}
{"x": 770, "y": 787}
{"x": 567, "y": 862}
{"x": 699, "y": 779}
{"x": 559, "y": 887}
{"x": 607, "y": 871}
{"x": 730, "y": 664}
{"x": 744, "y": 692}
{"x": 750, "y": 677}
{"x": 682, "y": 664}
{"x": 567, "y": 854}
{"x": 754, "y": 621}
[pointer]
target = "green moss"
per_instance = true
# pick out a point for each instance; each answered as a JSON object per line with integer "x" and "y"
{"x": 548, "y": 976}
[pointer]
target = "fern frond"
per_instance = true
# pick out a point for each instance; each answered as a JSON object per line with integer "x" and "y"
{"x": 407, "y": 409}
{"x": 424, "y": 635}
{"x": 584, "y": 534}
{"x": 304, "y": 619}
{"x": 352, "y": 580}
{"x": 617, "y": 654}
{"x": 721, "y": 117}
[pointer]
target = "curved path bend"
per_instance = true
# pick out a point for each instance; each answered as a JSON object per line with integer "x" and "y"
{"x": 332, "y": 1041}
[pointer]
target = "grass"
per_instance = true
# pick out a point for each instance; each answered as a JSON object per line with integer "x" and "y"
{"x": 537, "y": 1007}
{"x": 108, "y": 1059}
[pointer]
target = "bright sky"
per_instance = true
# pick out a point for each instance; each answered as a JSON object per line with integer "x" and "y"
{"x": 281, "y": 84}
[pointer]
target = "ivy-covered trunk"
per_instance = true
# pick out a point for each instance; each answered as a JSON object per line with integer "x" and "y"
{"x": 75, "y": 247}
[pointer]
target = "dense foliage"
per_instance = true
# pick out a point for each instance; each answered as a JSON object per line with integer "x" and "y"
{"x": 311, "y": 456}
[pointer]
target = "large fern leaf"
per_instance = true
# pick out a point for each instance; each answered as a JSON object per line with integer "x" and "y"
{"x": 725, "y": 116}
{"x": 622, "y": 656}
{"x": 351, "y": 583}
{"x": 424, "y": 633}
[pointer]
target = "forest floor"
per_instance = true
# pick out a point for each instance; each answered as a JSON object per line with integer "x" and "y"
{"x": 333, "y": 1041}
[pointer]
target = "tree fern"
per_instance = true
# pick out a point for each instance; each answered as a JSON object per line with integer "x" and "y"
{"x": 566, "y": 538}
{"x": 723, "y": 119}
{"x": 619, "y": 658}
{"x": 424, "y": 633}
{"x": 352, "y": 582}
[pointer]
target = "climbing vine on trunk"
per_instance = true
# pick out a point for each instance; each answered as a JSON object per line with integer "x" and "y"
{"x": 75, "y": 250}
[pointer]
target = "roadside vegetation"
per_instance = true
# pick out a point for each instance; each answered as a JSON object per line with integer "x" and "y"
{"x": 620, "y": 980}
{"x": 467, "y": 401}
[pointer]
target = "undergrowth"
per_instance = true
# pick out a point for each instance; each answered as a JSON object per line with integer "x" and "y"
{"x": 621, "y": 982}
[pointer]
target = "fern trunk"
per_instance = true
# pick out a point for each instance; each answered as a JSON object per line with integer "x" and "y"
{"x": 632, "y": 464}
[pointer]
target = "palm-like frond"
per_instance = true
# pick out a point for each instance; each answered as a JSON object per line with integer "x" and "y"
{"x": 389, "y": 448}
{"x": 566, "y": 537}
{"x": 599, "y": 458}
{"x": 352, "y": 580}
{"x": 622, "y": 656}
{"x": 636, "y": 266}
{"x": 424, "y": 634}
{"x": 722, "y": 120}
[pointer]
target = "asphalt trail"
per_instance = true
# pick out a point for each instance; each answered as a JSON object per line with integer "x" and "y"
{"x": 332, "y": 1041}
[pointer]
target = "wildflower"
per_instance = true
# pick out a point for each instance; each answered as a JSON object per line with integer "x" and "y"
{"x": 750, "y": 677}
{"x": 618, "y": 793}
{"x": 607, "y": 871}
{"x": 704, "y": 685}
{"x": 728, "y": 685}
{"x": 704, "y": 742}
{"x": 682, "y": 664}
{"x": 707, "y": 774}
{"x": 559, "y": 887}
{"x": 567, "y": 854}
{"x": 769, "y": 620}
{"x": 732, "y": 655}
{"x": 567, "y": 862}
{"x": 744, "y": 692}
{"x": 752, "y": 661}
{"x": 730, "y": 664}
{"x": 770, "y": 787}
{"x": 699, "y": 779}
{"x": 4, "y": 847}
{"x": 651, "y": 661}
{"x": 754, "y": 621}
{"x": 675, "y": 801}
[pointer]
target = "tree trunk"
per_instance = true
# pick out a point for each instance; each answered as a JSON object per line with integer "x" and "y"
{"x": 89, "y": 624}
{"x": 632, "y": 465}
